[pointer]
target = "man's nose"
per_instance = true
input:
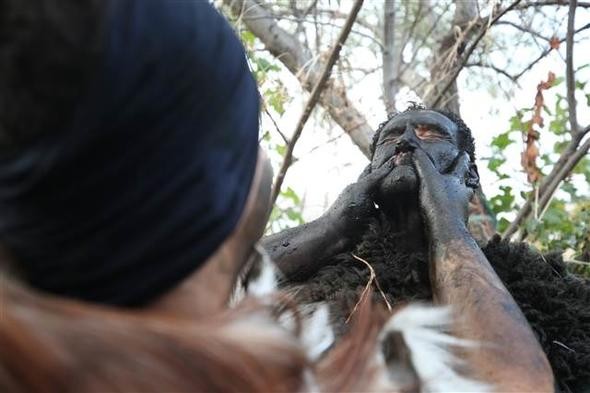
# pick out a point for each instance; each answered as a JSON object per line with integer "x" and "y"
{"x": 407, "y": 141}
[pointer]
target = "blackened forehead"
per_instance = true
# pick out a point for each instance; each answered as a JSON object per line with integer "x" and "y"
{"x": 422, "y": 117}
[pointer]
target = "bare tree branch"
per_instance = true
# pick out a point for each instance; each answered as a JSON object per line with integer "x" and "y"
{"x": 278, "y": 130}
{"x": 525, "y": 29}
{"x": 442, "y": 90}
{"x": 322, "y": 23}
{"x": 313, "y": 99}
{"x": 299, "y": 61}
{"x": 544, "y": 53}
{"x": 388, "y": 53}
{"x": 570, "y": 77}
{"x": 470, "y": 50}
{"x": 359, "y": 20}
{"x": 540, "y": 3}
{"x": 532, "y": 63}
{"x": 494, "y": 68}
{"x": 564, "y": 171}
{"x": 420, "y": 45}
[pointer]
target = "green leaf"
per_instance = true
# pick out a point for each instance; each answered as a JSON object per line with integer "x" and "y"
{"x": 557, "y": 127}
{"x": 503, "y": 202}
{"x": 559, "y": 146}
{"x": 558, "y": 81}
{"x": 281, "y": 149}
{"x": 494, "y": 163}
{"x": 502, "y": 141}
{"x": 516, "y": 123}
{"x": 276, "y": 99}
{"x": 568, "y": 187}
{"x": 503, "y": 224}
{"x": 248, "y": 38}
{"x": 289, "y": 193}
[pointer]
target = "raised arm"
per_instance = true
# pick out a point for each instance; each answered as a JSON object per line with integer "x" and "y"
{"x": 299, "y": 252}
{"x": 508, "y": 354}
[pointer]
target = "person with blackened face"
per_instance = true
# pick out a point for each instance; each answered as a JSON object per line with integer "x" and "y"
{"x": 420, "y": 180}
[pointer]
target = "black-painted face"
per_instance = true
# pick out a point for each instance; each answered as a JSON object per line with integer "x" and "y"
{"x": 436, "y": 134}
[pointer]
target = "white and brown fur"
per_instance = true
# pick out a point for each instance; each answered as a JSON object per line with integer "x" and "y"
{"x": 263, "y": 342}
{"x": 406, "y": 350}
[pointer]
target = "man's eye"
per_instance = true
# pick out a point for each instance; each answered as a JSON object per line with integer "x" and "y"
{"x": 392, "y": 136}
{"x": 388, "y": 139}
{"x": 427, "y": 132}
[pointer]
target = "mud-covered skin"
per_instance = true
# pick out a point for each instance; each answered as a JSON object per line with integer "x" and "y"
{"x": 433, "y": 132}
{"x": 555, "y": 303}
{"x": 461, "y": 276}
{"x": 426, "y": 192}
{"x": 301, "y": 251}
{"x": 390, "y": 181}
{"x": 429, "y": 131}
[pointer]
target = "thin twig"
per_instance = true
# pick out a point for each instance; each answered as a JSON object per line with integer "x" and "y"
{"x": 548, "y": 264}
{"x": 322, "y": 23}
{"x": 421, "y": 44}
{"x": 524, "y": 29}
{"x": 315, "y": 95}
{"x": 532, "y": 63}
{"x": 388, "y": 56}
{"x": 494, "y": 68}
{"x": 333, "y": 139}
{"x": 569, "y": 64}
{"x": 546, "y": 52}
{"x": 275, "y": 123}
{"x": 576, "y": 262}
{"x": 469, "y": 51}
{"x": 541, "y": 3}
{"x": 563, "y": 345}
{"x": 372, "y": 278}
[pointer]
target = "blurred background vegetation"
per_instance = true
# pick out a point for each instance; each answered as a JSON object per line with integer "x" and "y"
{"x": 522, "y": 66}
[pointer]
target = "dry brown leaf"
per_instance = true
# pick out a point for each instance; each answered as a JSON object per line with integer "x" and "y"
{"x": 531, "y": 151}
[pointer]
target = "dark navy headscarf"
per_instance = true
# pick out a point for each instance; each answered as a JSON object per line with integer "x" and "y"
{"x": 153, "y": 172}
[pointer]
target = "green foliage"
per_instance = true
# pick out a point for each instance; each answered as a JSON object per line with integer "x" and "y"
{"x": 565, "y": 223}
{"x": 503, "y": 203}
{"x": 499, "y": 143}
{"x": 287, "y": 212}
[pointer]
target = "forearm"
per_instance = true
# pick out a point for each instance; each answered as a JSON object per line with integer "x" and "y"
{"x": 299, "y": 252}
{"x": 508, "y": 354}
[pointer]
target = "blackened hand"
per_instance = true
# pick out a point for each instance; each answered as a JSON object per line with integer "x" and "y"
{"x": 350, "y": 213}
{"x": 444, "y": 198}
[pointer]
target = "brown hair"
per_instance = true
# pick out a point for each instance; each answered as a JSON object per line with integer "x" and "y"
{"x": 51, "y": 344}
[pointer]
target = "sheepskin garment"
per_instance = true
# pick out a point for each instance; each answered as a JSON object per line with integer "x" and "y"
{"x": 555, "y": 302}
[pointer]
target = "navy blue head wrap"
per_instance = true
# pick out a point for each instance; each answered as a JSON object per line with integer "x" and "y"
{"x": 152, "y": 173}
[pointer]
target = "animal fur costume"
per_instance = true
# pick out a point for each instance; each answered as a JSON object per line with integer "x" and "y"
{"x": 555, "y": 302}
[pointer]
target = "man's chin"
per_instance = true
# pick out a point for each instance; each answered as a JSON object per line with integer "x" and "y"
{"x": 402, "y": 180}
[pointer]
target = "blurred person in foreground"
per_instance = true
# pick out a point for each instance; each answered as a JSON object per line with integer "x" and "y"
{"x": 132, "y": 196}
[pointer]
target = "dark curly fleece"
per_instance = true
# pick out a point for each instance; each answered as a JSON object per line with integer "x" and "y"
{"x": 555, "y": 302}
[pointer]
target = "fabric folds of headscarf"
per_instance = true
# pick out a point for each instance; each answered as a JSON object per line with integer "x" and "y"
{"x": 152, "y": 173}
